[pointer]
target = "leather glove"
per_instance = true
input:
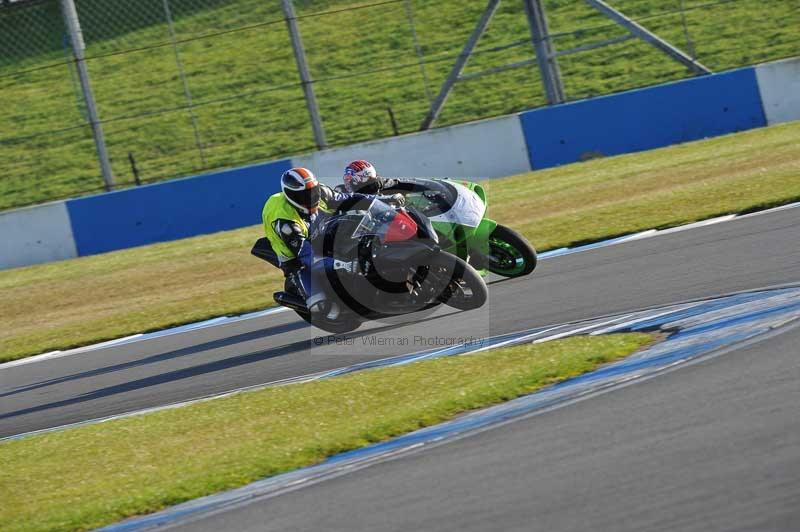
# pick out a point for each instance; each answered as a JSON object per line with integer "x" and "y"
{"x": 395, "y": 199}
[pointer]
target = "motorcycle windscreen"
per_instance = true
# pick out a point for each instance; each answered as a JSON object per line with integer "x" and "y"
{"x": 376, "y": 220}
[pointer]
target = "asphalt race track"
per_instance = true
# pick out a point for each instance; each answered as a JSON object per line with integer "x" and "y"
{"x": 742, "y": 254}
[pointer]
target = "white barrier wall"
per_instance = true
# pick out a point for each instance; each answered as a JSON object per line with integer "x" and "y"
{"x": 779, "y": 84}
{"x": 36, "y": 234}
{"x": 489, "y": 148}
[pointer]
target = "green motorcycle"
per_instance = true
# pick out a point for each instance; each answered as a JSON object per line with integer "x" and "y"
{"x": 457, "y": 212}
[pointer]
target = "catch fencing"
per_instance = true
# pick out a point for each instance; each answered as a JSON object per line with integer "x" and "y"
{"x": 118, "y": 93}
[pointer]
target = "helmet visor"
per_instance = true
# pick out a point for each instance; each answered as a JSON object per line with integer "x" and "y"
{"x": 308, "y": 198}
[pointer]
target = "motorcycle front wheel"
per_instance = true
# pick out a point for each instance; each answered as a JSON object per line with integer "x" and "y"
{"x": 464, "y": 288}
{"x": 342, "y": 323}
{"x": 339, "y": 326}
{"x": 510, "y": 255}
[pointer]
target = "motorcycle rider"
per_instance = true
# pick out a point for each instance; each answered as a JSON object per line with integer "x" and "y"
{"x": 361, "y": 176}
{"x": 289, "y": 217}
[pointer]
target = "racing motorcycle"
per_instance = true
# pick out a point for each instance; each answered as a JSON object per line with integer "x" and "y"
{"x": 377, "y": 263}
{"x": 457, "y": 211}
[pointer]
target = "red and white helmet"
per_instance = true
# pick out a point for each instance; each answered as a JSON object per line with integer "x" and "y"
{"x": 301, "y": 189}
{"x": 360, "y": 175}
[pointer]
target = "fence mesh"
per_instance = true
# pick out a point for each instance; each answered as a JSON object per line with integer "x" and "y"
{"x": 185, "y": 86}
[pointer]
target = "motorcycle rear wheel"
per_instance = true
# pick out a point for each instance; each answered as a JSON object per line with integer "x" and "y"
{"x": 510, "y": 255}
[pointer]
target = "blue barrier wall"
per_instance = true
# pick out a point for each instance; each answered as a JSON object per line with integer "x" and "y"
{"x": 644, "y": 119}
{"x": 174, "y": 209}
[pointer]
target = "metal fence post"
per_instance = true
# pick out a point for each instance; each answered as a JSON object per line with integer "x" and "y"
{"x": 545, "y": 54}
{"x": 686, "y": 35}
{"x": 78, "y": 49}
{"x": 418, "y": 49}
{"x": 186, "y": 92}
{"x": 305, "y": 76}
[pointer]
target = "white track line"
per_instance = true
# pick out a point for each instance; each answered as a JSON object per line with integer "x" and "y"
{"x": 694, "y": 225}
{"x": 58, "y": 354}
{"x": 627, "y": 324}
{"x": 221, "y": 320}
{"x": 573, "y": 332}
{"x": 774, "y": 209}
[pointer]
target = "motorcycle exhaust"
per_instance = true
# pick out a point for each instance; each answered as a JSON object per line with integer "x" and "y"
{"x": 290, "y": 301}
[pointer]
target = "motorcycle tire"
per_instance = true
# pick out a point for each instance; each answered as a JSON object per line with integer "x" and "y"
{"x": 335, "y": 326}
{"x": 463, "y": 278}
{"x": 510, "y": 254}
{"x": 305, "y": 315}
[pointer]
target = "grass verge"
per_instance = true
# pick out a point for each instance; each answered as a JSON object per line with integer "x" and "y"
{"x": 585, "y": 202}
{"x": 94, "y": 475}
{"x": 86, "y": 300}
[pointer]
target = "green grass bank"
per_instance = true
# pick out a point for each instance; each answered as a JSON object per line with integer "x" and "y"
{"x": 247, "y": 101}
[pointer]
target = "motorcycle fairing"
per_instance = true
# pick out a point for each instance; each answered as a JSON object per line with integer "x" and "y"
{"x": 468, "y": 208}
